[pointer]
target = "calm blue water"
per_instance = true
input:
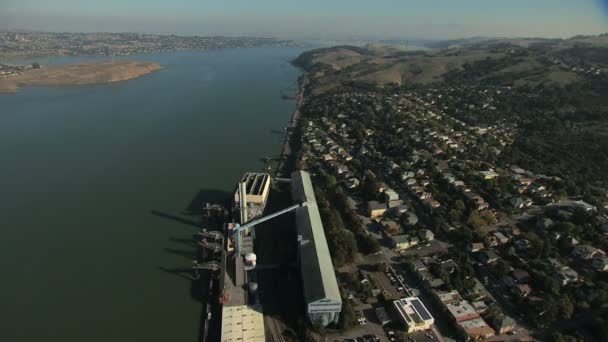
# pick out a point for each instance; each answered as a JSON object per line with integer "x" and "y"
{"x": 82, "y": 167}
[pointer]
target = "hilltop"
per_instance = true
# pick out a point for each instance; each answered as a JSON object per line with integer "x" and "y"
{"x": 527, "y": 61}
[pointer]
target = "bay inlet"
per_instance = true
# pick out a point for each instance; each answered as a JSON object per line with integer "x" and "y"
{"x": 85, "y": 168}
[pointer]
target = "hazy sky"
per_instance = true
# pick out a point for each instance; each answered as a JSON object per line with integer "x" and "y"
{"x": 325, "y": 19}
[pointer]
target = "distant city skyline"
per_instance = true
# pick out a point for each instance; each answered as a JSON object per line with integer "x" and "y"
{"x": 314, "y": 19}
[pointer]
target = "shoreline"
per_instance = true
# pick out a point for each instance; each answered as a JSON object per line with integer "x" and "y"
{"x": 286, "y": 150}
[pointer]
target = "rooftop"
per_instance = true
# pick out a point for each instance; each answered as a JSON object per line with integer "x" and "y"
{"x": 319, "y": 279}
{"x": 242, "y": 323}
{"x": 462, "y": 310}
{"x": 413, "y": 311}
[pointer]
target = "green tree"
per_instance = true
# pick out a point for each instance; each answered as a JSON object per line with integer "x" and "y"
{"x": 367, "y": 243}
{"x": 348, "y": 318}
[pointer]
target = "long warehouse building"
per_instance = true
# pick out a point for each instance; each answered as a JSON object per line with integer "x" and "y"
{"x": 321, "y": 293}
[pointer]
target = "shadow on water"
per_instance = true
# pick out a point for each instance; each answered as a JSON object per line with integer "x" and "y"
{"x": 182, "y": 272}
{"x": 197, "y": 214}
{"x": 179, "y": 218}
{"x": 191, "y": 241}
{"x": 190, "y": 254}
{"x": 197, "y": 204}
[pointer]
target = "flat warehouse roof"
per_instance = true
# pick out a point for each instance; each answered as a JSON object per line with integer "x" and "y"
{"x": 318, "y": 277}
{"x": 242, "y": 323}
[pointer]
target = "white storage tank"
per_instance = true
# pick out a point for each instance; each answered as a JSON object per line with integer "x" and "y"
{"x": 250, "y": 261}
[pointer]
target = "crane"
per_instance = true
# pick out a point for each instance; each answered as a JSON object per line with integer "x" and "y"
{"x": 215, "y": 235}
{"x": 216, "y": 247}
{"x": 239, "y": 228}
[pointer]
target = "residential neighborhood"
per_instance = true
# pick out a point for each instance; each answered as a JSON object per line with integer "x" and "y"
{"x": 433, "y": 215}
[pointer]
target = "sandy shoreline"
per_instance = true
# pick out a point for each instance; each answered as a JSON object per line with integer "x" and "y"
{"x": 78, "y": 74}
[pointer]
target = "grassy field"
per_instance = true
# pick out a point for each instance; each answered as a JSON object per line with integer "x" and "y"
{"x": 78, "y": 74}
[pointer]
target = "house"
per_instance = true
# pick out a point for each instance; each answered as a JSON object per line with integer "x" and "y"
{"x": 447, "y": 297}
{"x": 418, "y": 265}
{"x": 382, "y": 316}
{"x": 490, "y": 241}
{"x": 517, "y": 202}
{"x": 394, "y": 203}
{"x": 340, "y": 168}
{"x": 352, "y": 183}
{"x": 404, "y": 241}
{"x": 501, "y": 239}
{"x": 488, "y": 174}
{"x": 600, "y": 263}
{"x": 503, "y": 324}
{"x": 520, "y": 276}
{"x": 391, "y": 227}
{"x": 399, "y": 210}
{"x": 488, "y": 257}
{"x": 461, "y": 311}
{"x": 522, "y": 244}
{"x": 410, "y": 219}
{"x": 348, "y": 174}
{"x": 433, "y": 282}
{"x": 375, "y": 209}
{"x": 566, "y": 276}
{"x": 391, "y": 195}
{"x": 432, "y": 203}
{"x": 407, "y": 175}
{"x": 448, "y": 266}
{"x": 426, "y": 235}
{"x": 476, "y": 200}
{"x": 476, "y": 247}
{"x": 480, "y": 306}
{"x": 475, "y": 329}
{"x": 572, "y": 241}
{"x": 586, "y": 252}
{"x": 522, "y": 290}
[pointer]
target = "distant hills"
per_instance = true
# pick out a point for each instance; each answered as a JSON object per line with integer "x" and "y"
{"x": 523, "y": 60}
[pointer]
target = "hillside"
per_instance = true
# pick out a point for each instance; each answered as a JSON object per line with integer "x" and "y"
{"x": 524, "y": 61}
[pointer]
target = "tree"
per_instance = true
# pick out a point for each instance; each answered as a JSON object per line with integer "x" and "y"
{"x": 35, "y": 65}
{"x": 370, "y": 189}
{"x": 347, "y": 318}
{"x": 367, "y": 243}
{"x": 502, "y": 268}
{"x": 566, "y": 308}
{"x": 455, "y": 215}
{"x": 330, "y": 181}
{"x": 475, "y": 220}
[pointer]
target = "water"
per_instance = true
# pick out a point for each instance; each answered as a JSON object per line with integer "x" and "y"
{"x": 81, "y": 169}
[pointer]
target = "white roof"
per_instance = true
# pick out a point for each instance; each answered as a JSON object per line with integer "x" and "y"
{"x": 242, "y": 323}
{"x": 318, "y": 277}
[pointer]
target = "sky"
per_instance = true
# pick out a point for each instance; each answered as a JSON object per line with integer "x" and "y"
{"x": 314, "y": 19}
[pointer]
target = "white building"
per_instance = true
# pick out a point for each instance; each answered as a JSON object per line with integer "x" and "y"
{"x": 321, "y": 293}
{"x": 413, "y": 314}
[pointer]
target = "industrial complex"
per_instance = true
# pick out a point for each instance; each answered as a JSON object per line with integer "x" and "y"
{"x": 232, "y": 262}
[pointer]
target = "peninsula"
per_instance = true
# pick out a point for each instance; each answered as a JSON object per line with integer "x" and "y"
{"x": 76, "y": 74}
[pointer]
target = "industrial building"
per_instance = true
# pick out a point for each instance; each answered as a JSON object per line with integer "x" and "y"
{"x": 321, "y": 294}
{"x": 256, "y": 189}
{"x": 413, "y": 314}
{"x": 242, "y": 323}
